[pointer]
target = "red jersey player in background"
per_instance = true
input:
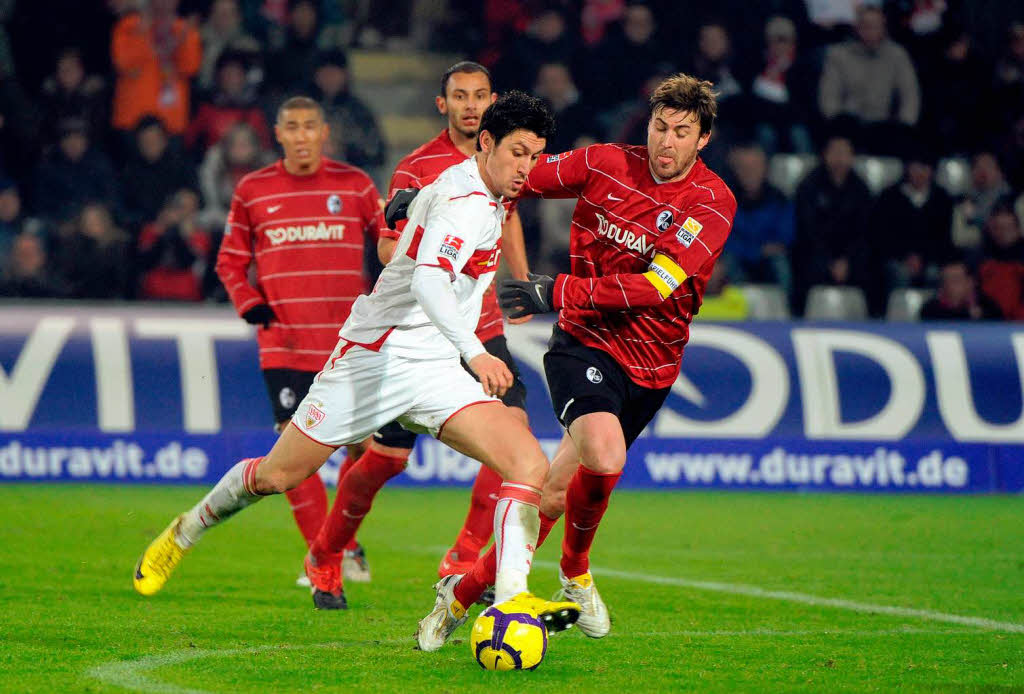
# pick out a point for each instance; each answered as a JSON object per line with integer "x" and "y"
{"x": 466, "y": 92}
{"x": 303, "y": 221}
{"x": 649, "y": 224}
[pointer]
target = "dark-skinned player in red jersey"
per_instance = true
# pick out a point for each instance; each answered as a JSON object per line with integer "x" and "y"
{"x": 649, "y": 224}
{"x": 303, "y": 222}
{"x": 465, "y": 94}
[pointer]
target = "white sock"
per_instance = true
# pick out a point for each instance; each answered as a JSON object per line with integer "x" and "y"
{"x": 231, "y": 494}
{"x": 516, "y": 525}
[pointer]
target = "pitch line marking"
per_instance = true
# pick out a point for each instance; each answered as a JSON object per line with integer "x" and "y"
{"x": 131, "y": 674}
{"x": 792, "y": 596}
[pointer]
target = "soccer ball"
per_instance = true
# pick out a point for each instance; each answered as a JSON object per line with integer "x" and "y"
{"x": 509, "y": 636}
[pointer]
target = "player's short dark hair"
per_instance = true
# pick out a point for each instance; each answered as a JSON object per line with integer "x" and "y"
{"x": 468, "y": 67}
{"x": 299, "y": 102}
{"x": 516, "y": 110}
{"x": 682, "y": 92}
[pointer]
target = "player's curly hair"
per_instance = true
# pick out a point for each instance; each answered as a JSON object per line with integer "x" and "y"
{"x": 516, "y": 110}
{"x": 682, "y": 92}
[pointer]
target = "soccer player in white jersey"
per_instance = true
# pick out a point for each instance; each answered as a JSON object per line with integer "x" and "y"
{"x": 398, "y": 358}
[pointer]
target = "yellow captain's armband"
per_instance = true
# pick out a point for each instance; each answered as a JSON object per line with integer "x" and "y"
{"x": 665, "y": 275}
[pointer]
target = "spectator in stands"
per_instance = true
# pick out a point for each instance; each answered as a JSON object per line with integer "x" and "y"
{"x": 627, "y": 55}
{"x": 223, "y": 32}
{"x": 19, "y": 129}
{"x": 95, "y": 259}
{"x": 13, "y": 221}
{"x": 1009, "y": 81}
{"x": 359, "y": 138}
{"x": 555, "y": 84}
{"x": 233, "y": 101}
{"x": 958, "y": 297}
{"x": 987, "y": 188}
{"x": 872, "y": 80}
{"x": 758, "y": 248}
{"x": 831, "y": 19}
{"x": 155, "y": 170}
{"x": 239, "y": 152}
{"x": 71, "y": 93}
{"x": 293, "y": 57}
{"x": 155, "y": 54}
{"x": 913, "y": 225}
{"x": 723, "y": 301}
{"x": 832, "y": 216}
{"x": 173, "y": 250}
{"x": 73, "y": 173}
{"x": 957, "y": 97}
{"x": 596, "y": 16}
{"x": 1002, "y": 268}
{"x": 547, "y": 40}
{"x": 782, "y": 95}
{"x": 27, "y": 273}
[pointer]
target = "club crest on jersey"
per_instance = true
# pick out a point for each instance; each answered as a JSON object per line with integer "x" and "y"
{"x": 623, "y": 237}
{"x": 594, "y": 374}
{"x": 451, "y": 246}
{"x": 664, "y": 220}
{"x": 314, "y": 415}
{"x": 287, "y": 398}
{"x": 688, "y": 231}
{"x": 557, "y": 157}
{"x": 334, "y": 204}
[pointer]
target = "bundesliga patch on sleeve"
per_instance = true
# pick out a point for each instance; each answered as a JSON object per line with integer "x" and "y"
{"x": 451, "y": 246}
{"x": 557, "y": 157}
{"x": 688, "y": 231}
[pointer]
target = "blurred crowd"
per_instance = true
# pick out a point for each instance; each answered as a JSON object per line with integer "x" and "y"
{"x": 124, "y": 132}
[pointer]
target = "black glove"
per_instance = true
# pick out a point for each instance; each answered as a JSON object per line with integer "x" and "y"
{"x": 260, "y": 314}
{"x": 398, "y": 208}
{"x": 526, "y": 297}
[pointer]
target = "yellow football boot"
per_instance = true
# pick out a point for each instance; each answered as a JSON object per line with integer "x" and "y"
{"x": 556, "y": 615}
{"x": 158, "y": 561}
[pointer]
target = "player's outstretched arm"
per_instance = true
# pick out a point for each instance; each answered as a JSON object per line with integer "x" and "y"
{"x": 234, "y": 258}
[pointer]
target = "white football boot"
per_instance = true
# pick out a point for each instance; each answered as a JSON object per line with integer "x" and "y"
{"x": 594, "y": 620}
{"x": 447, "y": 616}
{"x": 354, "y": 566}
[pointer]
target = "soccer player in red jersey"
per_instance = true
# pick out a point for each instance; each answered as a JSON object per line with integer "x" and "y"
{"x": 466, "y": 92}
{"x": 649, "y": 224}
{"x": 303, "y": 221}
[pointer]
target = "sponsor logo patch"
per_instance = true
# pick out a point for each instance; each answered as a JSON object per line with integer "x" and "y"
{"x": 594, "y": 374}
{"x": 334, "y": 204}
{"x": 306, "y": 232}
{"x": 665, "y": 220}
{"x": 314, "y": 415}
{"x": 623, "y": 237}
{"x": 557, "y": 157}
{"x": 688, "y": 231}
{"x": 451, "y": 246}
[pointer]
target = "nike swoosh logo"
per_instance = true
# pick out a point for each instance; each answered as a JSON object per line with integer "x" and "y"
{"x": 612, "y": 197}
{"x": 540, "y": 296}
{"x": 275, "y": 208}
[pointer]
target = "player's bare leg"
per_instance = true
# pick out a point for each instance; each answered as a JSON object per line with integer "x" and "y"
{"x": 492, "y": 435}
{"x": 293, "y": 458}
{"x": 476, "y": 529}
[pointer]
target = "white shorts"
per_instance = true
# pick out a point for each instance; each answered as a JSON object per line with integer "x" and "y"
{"x": 359, "y": 391}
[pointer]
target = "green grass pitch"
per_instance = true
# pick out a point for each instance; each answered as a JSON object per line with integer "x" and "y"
{"x": 719, "y": 592}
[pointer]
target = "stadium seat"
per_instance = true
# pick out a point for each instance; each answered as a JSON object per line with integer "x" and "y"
{"x": 879, "y": 172}
{"x": 785, "y": 171}
{"x": 766, "y": 301}
{"x": 836, "y": 303}
{"x": 905, "y": 304}
{"x": 952, "y": 174}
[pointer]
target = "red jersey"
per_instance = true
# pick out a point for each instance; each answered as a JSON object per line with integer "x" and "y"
{"x": 420, "y": 168}
{"x": 306, "y": 234}
{"x": 641, "y": 253}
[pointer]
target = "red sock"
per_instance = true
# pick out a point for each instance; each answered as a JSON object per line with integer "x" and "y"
{"x": 585, "y": 504}
{"x": 355, "y": 496}
{"x": 309, "y": 506}
{"x": 473, "y": 584}
{"x": 479, "y": 525}
{"x": 342, "y": 471}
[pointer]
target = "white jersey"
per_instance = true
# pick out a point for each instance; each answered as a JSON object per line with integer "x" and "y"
{"x": 454, "y": 234}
